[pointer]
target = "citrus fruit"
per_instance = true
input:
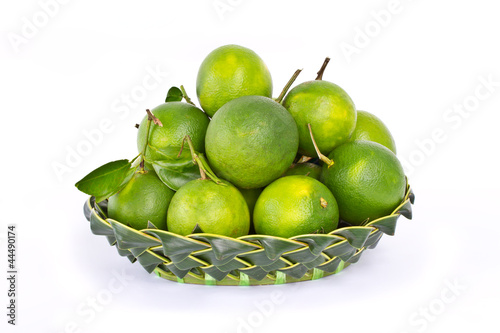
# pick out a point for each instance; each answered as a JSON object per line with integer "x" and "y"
{"x": 229, "y": 72}
{"x": 251, "y": 196}
{"x": 371, "y": 128}
{"x": 251, "y": 141}
{"x": 367, "y": 180}
{"x": 216, "y": 209}
{"x": 329, "y": 110}
{"x": 295, "y": 205}
{"x": 305, "y": 169}
{"x": 144, "y": 198}
{"x": 178, "y": 120}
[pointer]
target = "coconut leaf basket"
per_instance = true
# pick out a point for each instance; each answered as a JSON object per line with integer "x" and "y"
{"x": 209, "y": 259}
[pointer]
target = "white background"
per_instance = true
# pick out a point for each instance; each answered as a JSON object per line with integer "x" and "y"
{"x": 70, "y": 72}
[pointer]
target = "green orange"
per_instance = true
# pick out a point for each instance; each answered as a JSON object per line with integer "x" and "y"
{"x": 251, "y": 196}
{"x": 144, "y": 198}
{"x": 329, "y": 110}
{"x": 229, "y": 72}
{"x": 178, "y": 119}
{"x": 370, "y": 128}
{"x": 295, "y": 205}
{"x": 215, "y": 208}
{"x": 305, "y": 169}
{"x": 251, "y": 141}
{"x": 367, "y": 180}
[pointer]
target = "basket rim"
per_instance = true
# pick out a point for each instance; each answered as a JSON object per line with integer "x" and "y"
{"x": 205, "y": 258}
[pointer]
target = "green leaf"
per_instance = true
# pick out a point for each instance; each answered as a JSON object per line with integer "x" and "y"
{"x": 106, "y": 180}
{"x": 197, "y": 229}
{"x": 386, "y": 224}
{"x": 317, "y": 243}
{"x": 300, "y": 255}
{"x": 233, "y": 265}
{"x": 341, "y": 249}
{"x": 255, "y": 272}
{"x": 177, "y": 247}
{"x": 208, "y": 256}
{"x": 356, "y": 236}
{"x": 190, "y": 262}
{"x": 354, "y": 259}
{"x": 149, "y": 260}
{"x": 278, "y": 264}
{"x": 296, "y": 271}
{"x": 257, "y": 257}
{"x": 225, "y": 248}
{"x": 174, "y": 94}
{"x": 129, "y": 238}
{"x": 173, "y": 170}
{"x": 214, "y": 272}
{"x": 331, "y": 265}
{"x": 274, "y": 246}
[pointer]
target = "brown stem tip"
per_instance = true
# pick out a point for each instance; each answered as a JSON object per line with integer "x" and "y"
{"x": 304, "y": 159}
{"x": 322, "y": 69}
{"x": 152, "y": 117}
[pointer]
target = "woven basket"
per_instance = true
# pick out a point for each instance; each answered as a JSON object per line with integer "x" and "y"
{"x": 210, "y": 259}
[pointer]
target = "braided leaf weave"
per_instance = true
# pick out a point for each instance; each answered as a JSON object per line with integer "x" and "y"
{"x": 203, "y": 258}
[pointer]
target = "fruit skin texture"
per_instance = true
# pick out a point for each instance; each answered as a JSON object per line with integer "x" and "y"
{"x": 292, "y": 206}
{"x": 370, "y": 128}
{"x": 329, "y": 110}
{"x": 229, "y": 72}
{"x": 178, "y": 119}
{"x": 144, "y": 198}
{"x": 251, "y": 196}
{"x": 217, "y": 209}
{"x": 367, "y": 180}
{"x": 306, "y": 169}
{"x": 251, "y": 141}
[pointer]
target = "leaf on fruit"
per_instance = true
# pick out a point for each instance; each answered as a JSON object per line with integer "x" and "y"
{"x": 174, "y": 169}
{"x": 106, "y": 180}
{"x": 197, "y": 229}
{"x": 174, "y": 94}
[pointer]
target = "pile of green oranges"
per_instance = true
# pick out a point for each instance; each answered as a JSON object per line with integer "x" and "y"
{"x": 288, "y": 166}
